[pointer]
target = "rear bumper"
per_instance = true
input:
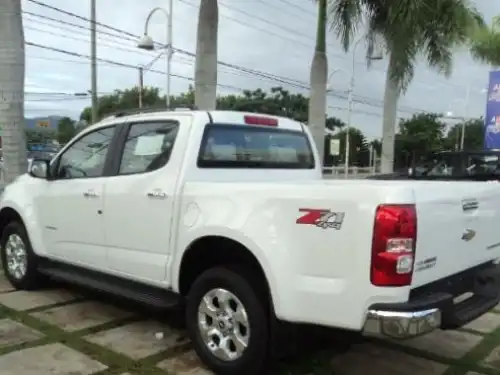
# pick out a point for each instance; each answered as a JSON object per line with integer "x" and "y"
{"x": 400, "y": 324}
{"x": 434, "y": 307}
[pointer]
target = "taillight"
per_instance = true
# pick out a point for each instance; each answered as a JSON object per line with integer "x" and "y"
{"x": 260, "y": 120}
{"x": 393, "y": 245}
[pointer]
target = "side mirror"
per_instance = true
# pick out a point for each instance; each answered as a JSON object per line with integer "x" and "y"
{"x": 39, "y": 168}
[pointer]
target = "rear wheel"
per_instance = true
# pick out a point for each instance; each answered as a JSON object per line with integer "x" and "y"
{"x": 228, "y": 323}
{"x": 19, "y": 262}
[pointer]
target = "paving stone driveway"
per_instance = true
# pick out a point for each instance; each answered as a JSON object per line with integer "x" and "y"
{"x": 59, "y": 332}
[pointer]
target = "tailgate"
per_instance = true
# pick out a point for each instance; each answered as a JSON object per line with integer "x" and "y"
{"x": 458, "y": 228}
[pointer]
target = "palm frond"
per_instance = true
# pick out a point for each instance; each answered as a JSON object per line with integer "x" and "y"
{"x": 486, "y": 47}
{"x": 345, "y": 17}
{"x": 434, "y": 30}
{"x": 410, "y": 28}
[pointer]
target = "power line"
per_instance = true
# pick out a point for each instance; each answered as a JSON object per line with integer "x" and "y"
{"x": 284, "y": 80}
{"x": 300, "y": 9}
{"x": 286, "y": 10}
{"x": 191, "y": 54}
{"x": 222, "y": 63}
{"x": 134, "y": 50}
{"x": 133, "y": 38}
{"x": 116, "y": 63}
{"x": 336, "y": 93}
{"x": 62, "y": 60}
{"x": 123, "y": 65}
{"x": 255, "y": 74}
{"x": 294, "y": 40}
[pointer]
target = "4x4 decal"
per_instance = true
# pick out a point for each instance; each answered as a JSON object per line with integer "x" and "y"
{"x": 322, "y": 218}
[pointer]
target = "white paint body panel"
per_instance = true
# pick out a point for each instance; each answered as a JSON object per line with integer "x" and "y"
{"x": 316, "y": 275}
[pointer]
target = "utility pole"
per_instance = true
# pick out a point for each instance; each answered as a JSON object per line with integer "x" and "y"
{"x": 466, "y": 110}
{"x": 374, "y": 54}
{"x": 141, "y": 85}
{"x": 93, "y": 56}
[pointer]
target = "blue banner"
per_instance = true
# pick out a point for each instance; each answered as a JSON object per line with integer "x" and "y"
{"x": 492, "y": 118}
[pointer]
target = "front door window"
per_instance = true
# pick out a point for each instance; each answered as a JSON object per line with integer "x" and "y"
{"x": 86, "y": 157}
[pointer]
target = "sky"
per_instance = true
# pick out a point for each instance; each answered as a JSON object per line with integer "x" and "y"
{"x": 275, "y": 37}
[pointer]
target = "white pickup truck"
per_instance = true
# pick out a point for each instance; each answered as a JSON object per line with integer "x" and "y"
{"x": 228, "y": 213}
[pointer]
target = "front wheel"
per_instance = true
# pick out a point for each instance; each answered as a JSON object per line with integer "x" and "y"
{"x": 20, "y": 263}
{"x": 228, "y": 322}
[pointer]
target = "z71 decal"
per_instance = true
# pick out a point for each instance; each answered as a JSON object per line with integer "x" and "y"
{"x": 321, "y": 218}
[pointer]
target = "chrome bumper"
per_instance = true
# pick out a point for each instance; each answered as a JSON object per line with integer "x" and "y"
{"x": 401, "y": 325}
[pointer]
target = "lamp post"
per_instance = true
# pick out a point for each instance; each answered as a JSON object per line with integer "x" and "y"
{"x": 375, "y": 54}
{"x": 147, "y": 43}
{"x": 330, "y": 76}
{"x": 142, "y": 69}
{"x": 463, "y": 118}
{"x": 466, "y": 103}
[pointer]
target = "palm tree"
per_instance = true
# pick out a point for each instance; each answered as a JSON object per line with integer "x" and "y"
{"x": 318, "y": 82}
{"x": 206, "y": 55}
{"x": 486, "y": 44}
{"x": 12, "y": 67}
{"x": 409, "y": 28}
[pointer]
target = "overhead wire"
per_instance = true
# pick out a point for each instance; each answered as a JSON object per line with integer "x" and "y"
{"x": 125, "y": 65}
{"x": 338, "y": 94}
{"x": 294, "y": 32}
{"x": 116, "y": 63}
{"x": 252, "y": 25}
{"x": 125, "y": 35}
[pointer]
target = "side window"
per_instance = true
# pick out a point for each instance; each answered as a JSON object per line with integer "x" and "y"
{"x": 86, "y": 157}
{"x": 148, "y": 146}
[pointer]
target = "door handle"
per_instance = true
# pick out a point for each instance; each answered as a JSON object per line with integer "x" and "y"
{"x": 157, "y": 193}
{"x": 90, "y": 194}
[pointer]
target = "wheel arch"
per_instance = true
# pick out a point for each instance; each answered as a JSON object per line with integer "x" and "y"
{"x": 218, "y": 250}
{"x": 7, "y": 215}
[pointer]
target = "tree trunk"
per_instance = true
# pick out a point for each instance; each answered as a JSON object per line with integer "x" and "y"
{"x": 206, "y": 55}
{"x": 319, "y": 76}
{"x": 12, "y": 66}
{"x": 391, "y": 97}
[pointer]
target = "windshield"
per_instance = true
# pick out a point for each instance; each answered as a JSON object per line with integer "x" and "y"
{"x": 237, "y": 146}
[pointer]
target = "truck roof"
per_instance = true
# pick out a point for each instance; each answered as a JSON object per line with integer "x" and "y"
{"x": 216, "y": 116}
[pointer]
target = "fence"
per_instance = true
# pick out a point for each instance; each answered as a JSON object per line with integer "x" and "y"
{"x": 353, "y": 172}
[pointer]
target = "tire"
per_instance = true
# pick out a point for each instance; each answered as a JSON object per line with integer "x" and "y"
{"x": 238, "y": 282}
{"x": 31, "y": 279}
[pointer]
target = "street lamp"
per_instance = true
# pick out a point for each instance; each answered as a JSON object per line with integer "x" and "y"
{"x": 376, "y": 53}
{"x": 329, "y": 87}
{"x": 147, "y": 43}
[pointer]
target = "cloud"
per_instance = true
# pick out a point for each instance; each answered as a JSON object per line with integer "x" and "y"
{"x": 276, "y": 37}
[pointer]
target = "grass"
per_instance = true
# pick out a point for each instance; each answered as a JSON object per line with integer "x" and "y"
{"x": 315, "y": 361}
{"x": 118, "y": 363}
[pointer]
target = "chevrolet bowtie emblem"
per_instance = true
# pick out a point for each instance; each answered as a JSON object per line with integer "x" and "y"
{"x": 468, "y": 234}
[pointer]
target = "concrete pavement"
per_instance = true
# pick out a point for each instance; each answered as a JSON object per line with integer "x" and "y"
{"x": 62, "y": 332}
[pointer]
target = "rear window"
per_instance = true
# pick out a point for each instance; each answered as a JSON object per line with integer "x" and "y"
{"x": 237, "y": 146}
